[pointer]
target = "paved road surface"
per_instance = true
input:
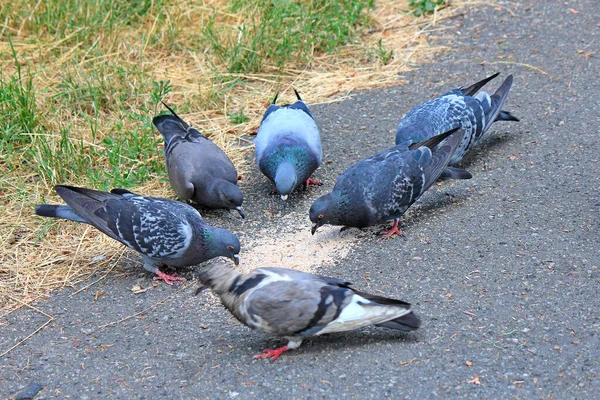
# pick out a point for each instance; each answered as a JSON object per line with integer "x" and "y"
{"x": 503, "y": 269}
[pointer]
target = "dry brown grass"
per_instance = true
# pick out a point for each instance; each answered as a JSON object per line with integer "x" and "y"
{"x": 38, "y": 255}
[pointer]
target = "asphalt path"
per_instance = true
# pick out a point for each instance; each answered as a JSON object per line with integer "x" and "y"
{"x": 503, "y": 269}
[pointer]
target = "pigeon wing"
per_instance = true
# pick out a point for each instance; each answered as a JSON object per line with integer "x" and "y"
{"x": 299, "y": 307}
{"x": 147, "y": 225}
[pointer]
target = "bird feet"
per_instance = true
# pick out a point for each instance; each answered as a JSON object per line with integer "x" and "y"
{"x": 311, "y": 181}
{"x": 272, "y": 354}
{"x": 161, "y": 276}
{"x": 394, "y": 229}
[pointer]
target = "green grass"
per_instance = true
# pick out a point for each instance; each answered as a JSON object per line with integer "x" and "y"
{"x": 80, "y": 81}
{"x": 422, "y": 7}
{"x": 77, "y": 101}
{"x": 281, "y": 31}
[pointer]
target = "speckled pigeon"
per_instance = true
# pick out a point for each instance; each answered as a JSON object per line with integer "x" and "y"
{"x": 288, "y": 146}
{"x": 163, "y": 231}
{"x": 457, "y": 108}
{"x": 384, "y": 186}
{"x": 294, "y": 304}
{"x": 198, "y": 169}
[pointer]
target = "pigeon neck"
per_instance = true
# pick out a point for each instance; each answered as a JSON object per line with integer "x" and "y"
{"x": 218, "y": 276}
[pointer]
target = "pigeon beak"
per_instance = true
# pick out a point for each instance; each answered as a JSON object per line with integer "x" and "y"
{"x": 314, "y": 228}
{"x": 241, "y": 211}
{"x": 284, "y": 197}
{"x": 236, "y": 259}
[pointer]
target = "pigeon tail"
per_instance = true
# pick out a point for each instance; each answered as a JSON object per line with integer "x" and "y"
{"x": 185, "y": 125}
{"x": 285, "y": 178}
{"x": 496, "y": 102}
{"x": 455, "y": 173}
{"x": 169, "y": 126}
{"x": 406, "y": 323}
{"x": 506, "y": 116}
{"x": 62, "y": 212}
{"x": 474, "y": 88}
{"x": 433, "y": 141}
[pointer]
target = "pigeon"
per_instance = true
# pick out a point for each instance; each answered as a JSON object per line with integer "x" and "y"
{"x": 457, "y": 108}
{"x": 163, "y": 231}
{"x": 288, "y": 146}
{"x": 198, "y": 169}
{"x": 295, "y": 304}
{"x": 384, "y": 186}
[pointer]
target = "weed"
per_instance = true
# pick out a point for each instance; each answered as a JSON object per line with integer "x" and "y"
{"x": 422, "y": 7}
{"x": 161, "y": 89}
{"x": 384, "y": 54}
{"x": 238, "y": 117}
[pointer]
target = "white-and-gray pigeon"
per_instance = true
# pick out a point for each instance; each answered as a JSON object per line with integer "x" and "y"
{"x": 288, "y": 146}
{"x": 384, "y": 186}
{"x": 198, "y": 169}
{"x": 163, "y": 231}
{"x": 457, "y": 108}
{"x": 294, "y": 304}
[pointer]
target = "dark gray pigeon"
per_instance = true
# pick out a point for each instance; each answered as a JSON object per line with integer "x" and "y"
{"x": 198, "y": 169}
{"x": 163, "y": 231}
{"x": 295, "y": 304}
{"x": 288, "y": 146}
{"x": 384, "y": 186}
{"x": 457, "y": 108}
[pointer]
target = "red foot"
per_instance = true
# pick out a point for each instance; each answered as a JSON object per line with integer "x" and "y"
{"x": 394, "y": 229}
{"x": 272, "y": 354}
{"x": 311, "y": 181}
{"x": 161, "y": 276}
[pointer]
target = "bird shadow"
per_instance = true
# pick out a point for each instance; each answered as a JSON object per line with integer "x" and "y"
{"x": 489, "y": 142}
{"x": 348, "y": 340}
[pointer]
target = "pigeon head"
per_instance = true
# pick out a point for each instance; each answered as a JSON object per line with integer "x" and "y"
{"x": 286, "y": 179}
{"x": 222, "y": 243}
{"x": 231, "y": 196}
{"x": 322, "y": 211}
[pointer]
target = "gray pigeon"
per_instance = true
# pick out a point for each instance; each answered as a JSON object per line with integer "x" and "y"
{"x": 457, "y": 108}
{"x": 198, "y": 169}
{"x": 163, "y": 231}
{"x": 385, "y": 185}
{"x": 288, "y": 146}
{"x": 295, "y": 304}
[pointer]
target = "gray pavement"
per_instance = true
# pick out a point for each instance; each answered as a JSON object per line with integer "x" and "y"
{"x": 503, "y": 269}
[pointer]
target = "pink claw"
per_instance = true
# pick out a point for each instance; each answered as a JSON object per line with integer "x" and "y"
{"x": 311, "y": 181}
{"x": 272, "y": 354}
{"x": 394, "y": 229}
{"x": 161, "y": 276}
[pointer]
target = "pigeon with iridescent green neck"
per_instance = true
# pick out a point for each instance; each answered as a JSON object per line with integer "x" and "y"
{"x": 288, "y": 146}
{"x": 163, "y": 231}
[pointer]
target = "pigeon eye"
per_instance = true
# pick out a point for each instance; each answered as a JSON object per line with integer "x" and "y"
{"x": 230, "y": 248}
{"x": 320, "y": 216}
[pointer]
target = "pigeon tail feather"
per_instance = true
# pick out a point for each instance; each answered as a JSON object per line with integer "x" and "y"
{"x": 474, "y": 88}
{"x": 433, "y": 141}
{"x": 405, "y": 323}
{"x": 455, "y": 173}
{"x": 62, "y": 212}
{"x": 506, "y": 116}
{"x": 497, "y": 101}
